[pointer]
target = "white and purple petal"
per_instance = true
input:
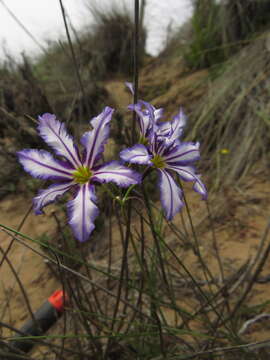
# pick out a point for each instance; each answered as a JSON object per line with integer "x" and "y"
{"x": 159, "y": 144}
{"x": 164, "y": 128}
{"x": 187, "y": 173}
{"x": 82, "y": 212}
{"x": 175, "y": 128}
{"x": 130, "y": 86}
{"x": 145, "y": 112}
{"x": 179, "y": 120}
{"x": 41, "y": 164}
{"x": 55, "y": 134}
{"x": 158, "y": 114}
{"x": 94, "y": 140}
{"x": 115, "y": 172}
{"x": 137, "y": 154}
{"x": 47, "y": 196}
{"x": 184, "y": 153}
{"x": 170, "y": 194}
{"x": 200, "y": 188}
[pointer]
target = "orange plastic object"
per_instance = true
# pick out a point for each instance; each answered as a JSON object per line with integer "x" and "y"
{"x": 57, "y": 300}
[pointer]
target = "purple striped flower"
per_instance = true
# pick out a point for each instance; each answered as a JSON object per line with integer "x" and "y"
{"x": 75, "y": 171}
{"x": 162, "y": 150}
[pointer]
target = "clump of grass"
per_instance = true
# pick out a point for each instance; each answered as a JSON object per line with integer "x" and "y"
{"x": 177, "y": 40}
{"x": 217, "y": 30}
{"x": 240, "y": 19}
{"x": 55, "y": 71}
{"x": 21, "y": 93}
{"x": 112, "y": 36}
{"x": 103, "y": 50}
{"x": 233, "y": 120}
{"x": 204, "y": 49}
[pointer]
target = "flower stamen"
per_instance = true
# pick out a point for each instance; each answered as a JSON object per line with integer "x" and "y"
{"x": 158, "y": 161}
{"x": 82, "y": 175}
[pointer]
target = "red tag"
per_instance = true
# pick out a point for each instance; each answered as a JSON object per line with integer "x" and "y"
{"x": 57, "y": 300}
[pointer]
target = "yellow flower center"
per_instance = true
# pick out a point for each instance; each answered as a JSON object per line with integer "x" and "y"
{"x": 158, "y": 162}
{"x": 82, "y": 175}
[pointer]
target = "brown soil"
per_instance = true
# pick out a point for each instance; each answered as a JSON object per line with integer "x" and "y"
{"x": 33, "y": 273}
{"x": 240, "y": 218}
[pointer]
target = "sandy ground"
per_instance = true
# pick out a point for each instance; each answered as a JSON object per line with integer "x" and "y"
{"x": 239, "y": 226}
{"x": 33, "y": 273}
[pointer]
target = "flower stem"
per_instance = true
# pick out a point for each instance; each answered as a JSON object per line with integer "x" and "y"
{"x": 135, "y": 65}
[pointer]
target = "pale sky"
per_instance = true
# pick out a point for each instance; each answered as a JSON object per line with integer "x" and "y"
{"x": 43, "y": 19}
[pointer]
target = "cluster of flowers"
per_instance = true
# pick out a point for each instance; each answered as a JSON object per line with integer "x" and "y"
{"x": 159, "y": 147}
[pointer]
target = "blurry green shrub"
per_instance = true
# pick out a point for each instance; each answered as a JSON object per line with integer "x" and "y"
{"x": 218, "y": 30}
{"x": 204, "y": 49}
{"x": 112, "y": 42}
